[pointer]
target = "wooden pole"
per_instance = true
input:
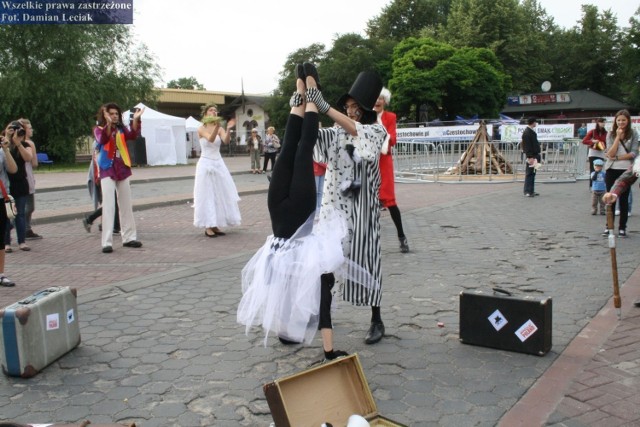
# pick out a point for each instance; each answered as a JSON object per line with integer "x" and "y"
{"x": 617, "y": 302}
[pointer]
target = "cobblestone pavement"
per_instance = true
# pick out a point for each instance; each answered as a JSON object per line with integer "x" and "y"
{"x": 161, "y": 347}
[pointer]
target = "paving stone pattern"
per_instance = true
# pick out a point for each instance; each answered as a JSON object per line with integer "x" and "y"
{"x": 161, "y": 346}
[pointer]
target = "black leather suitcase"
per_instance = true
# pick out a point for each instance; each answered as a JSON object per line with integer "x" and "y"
{"x": 506, "y": 322}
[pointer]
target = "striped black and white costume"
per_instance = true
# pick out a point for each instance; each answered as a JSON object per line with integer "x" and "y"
{"x": 362, "y": 243}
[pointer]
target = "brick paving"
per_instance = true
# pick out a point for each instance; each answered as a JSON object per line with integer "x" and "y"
{"x": 161, "y": 346}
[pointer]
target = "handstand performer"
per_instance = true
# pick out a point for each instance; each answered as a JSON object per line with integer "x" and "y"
{"x": 281, "y": 283}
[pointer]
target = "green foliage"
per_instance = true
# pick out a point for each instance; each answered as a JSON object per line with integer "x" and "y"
{"x": 515, "y": 33}
{"x": 277, "y": 106}
{"x": 630, "y": 60}
{"x": 407, "y": 18}
{"x": 185, "y": 83}
{"x": 58, "y": 76}
{"x": 450, "y": 81}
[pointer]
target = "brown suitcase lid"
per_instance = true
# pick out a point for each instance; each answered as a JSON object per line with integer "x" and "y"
{"x": 330, "y": 392}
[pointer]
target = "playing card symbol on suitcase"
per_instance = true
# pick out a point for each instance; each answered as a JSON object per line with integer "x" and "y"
{"x": 38, "y": 330}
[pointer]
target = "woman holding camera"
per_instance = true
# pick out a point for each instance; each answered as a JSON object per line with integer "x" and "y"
{"x": 18, "y": 182}
{"x": 7, "y": 165}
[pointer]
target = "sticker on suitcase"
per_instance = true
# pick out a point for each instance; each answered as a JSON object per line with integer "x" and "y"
{"x": 497, "y": 319}
{"x": 53, "y": 321}
{"x": 525, "y": 331}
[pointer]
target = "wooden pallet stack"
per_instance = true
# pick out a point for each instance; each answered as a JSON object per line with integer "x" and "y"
{"x": 481, "y": 157}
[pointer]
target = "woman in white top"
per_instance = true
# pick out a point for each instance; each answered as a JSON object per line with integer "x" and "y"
{"x": 215, "y": 197}
{"x": 622, "y": 149}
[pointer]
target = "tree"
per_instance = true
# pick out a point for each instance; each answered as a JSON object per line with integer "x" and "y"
{"x": 406, "y": 18}
{"x": 277, "y": 107}
{"x": 515, "y": 33}
{"x": 630, "y": 60}
{"x": 450, "y": 81}
{"x": 591, "y": 54}
{"x": 58, "y": 76}
{"x": 185, "y": 83}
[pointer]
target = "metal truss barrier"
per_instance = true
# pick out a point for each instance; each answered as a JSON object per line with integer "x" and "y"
{"x": 439, "y": 161}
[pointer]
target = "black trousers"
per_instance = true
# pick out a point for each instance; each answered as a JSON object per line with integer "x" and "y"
{"x": 267, "y": 157}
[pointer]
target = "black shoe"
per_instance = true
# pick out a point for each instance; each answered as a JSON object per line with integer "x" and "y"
{"x": 87, "y": 224}
{"x": 636, "y": 303}
{"x": 132, "y": 244}
{"x": 622, "y": 233}
{"x": 375, "y": 333}
{"x": 311, "y": 71}
{"x": 404, "y": 245}
{"x": 535, "y": 194}
{"x": 32, "y": 236}
{"x": 300, "y": 72}
{"x": 333, "y": 355}
{"x": 287, "y": 342}
{"x": 107, "y": 250}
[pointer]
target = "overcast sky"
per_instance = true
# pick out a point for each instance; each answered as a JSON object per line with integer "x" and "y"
{"x": 222, "y": 43}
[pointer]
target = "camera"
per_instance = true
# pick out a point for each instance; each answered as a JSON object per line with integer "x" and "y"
{"x": 17, "y": 127}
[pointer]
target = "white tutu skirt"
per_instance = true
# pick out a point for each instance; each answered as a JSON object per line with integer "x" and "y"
{"x": 215, "y": 196}
{"x": 281, "y": 282}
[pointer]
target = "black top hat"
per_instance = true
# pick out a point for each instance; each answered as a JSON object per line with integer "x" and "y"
{"x": 365, "y": 91}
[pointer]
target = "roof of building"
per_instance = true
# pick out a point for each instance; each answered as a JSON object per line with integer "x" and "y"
{"x": 581, "y": 100}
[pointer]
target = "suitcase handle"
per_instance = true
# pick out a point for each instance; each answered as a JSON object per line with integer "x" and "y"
{"x": 38, "y": 296}
{"x": 501, "y": 291}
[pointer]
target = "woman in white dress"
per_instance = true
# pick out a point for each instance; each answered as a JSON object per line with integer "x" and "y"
{"x": 215, "y": 197}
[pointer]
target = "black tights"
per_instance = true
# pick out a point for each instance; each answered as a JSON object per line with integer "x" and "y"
{"x": 292, "y": 191}
{"x": 397, "y": 219}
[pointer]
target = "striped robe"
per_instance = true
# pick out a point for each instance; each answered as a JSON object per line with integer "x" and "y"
{"x": 362, "y": 244}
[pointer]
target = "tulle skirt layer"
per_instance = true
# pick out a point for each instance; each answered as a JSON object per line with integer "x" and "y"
{"x": 281, "y": 282}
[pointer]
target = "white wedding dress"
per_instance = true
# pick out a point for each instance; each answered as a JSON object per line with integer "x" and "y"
{"x": 215, "y": 196}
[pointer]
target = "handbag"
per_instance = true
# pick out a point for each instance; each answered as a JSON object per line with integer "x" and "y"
{"x": 9, "y": 203}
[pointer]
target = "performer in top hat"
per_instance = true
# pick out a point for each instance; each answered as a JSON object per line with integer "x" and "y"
{"x": 352, "y": 185}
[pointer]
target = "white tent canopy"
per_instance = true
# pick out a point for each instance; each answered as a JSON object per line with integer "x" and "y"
{"x": 193, "y": 124}
{"x": 193, "y": 145}
{"x": 165, "y": 137}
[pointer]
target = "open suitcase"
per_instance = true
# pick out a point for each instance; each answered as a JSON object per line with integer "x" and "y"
{"x": 327, "y": 393}
{"x": 506, "y": 322}
{"x": 37, "y": 330}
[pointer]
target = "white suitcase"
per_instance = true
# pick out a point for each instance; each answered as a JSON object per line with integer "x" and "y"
{"x": 38, "y": 330}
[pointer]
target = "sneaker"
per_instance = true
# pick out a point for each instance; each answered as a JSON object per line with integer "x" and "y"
{"x": 622, "y": 233}
{"x": 32, "y": 236}
{"x": 528, "y": 195}
{"x": 605, "y": 232}
{"x": 4, "y": 281}
{"x": 86, "y": 224}
{"x": 617, "y": 212}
